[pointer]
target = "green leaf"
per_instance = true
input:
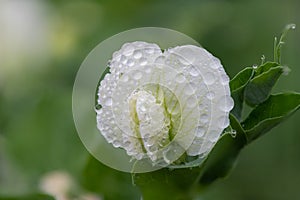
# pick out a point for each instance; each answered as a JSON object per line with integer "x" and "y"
{"x": 222, "y": 158}
{"x": 28, "y": 197}
{"x": 237, "y": 85}
{"x": 278, "y": 45}
{"x": 270, "y": 113}
{"x": 265, "y": 67}
{"x": 176, "y": 184}
{"x": 259, "y": 88}
{"x": 107, "y": 182}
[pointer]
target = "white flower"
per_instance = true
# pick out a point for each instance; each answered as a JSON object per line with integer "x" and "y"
{"x": 160, "y": 105}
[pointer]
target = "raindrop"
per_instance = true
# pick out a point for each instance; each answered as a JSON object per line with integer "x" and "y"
{"x": 160, "y": 60}
{"x": 149, "y": 50}
{"x": 180, "y": 78}
{"x": 210, "y": 95}
{"x": 254, "y": 66}
{"x": 200, "y": 131}
{"x": 188, "y": 90}
{"x": 137, "y": 75}
{"x": 143, "y": 61}
{"x": 233, "y": 133}
{"x": 191, "y": 102}
{"x": 226, "y": 103}
{"x": 148, "y": 70}
{"x": 293, "y": 26}
{"x": 128, "y": 49}
{"x": 263, "y": 58}
{"x": 193, "y": 70}
{"x": 125, "y": 78}
{"x": 204, "y": 118}
{"x": 130, "y": 62}
{"x": 116, "y": 143}
{"x": 137, "y": 54}
{"x": 123, "y": 59}
{"x": 108, "y": 102}
{"x": 209, "y": 78}
{"x": 223, "y": 121}
{"x": 224, "y": 79}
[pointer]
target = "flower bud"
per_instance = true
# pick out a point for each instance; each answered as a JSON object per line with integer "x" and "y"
{"x": 161, "y": 105}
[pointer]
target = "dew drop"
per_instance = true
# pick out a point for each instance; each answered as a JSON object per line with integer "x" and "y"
{"x": 128, "y": 49}
{"x": 224, "y": 79}
{"x": 200, "y": 131}
{"x": 263, "y": 58}
{"x": 226, "y": 103}
{"x": 233, "y": 133}
{"x": 254, "y": 66}
{"x": 148, "y": 70}
{"x": 191, "y": 102}
{"x": 210, "y": 95}
{"x": 124, "y": 60}
{"x": 124, "y": 78}
{"x": 116, "y": 143}
{"x": 223, "y": 121}
{"x": 293, "y": 26}
{"x": 160, "y": 60}
{"x": 143, "y": 61}
{"x": 193, "y": 70}
{"x": 137, "y": 54}
{"x": 108, "y": 102}
{"x": 130, "y": 62}
{"x": 180, "y": 78}
{"x": 204, "y": 118}
{"x": 209, "y": 78}
{"x": 149, "y": 50}
{"x": 137, "y": 75}
{"x": 188, "y": 90}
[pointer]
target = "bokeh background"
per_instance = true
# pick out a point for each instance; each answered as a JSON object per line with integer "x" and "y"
{"x": 42, "y": 44}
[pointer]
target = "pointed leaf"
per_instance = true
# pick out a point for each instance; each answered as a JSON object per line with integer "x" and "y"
{"x": 237, "y": 85}
{"x": 259, "y": 88}
{"x": 270, "y": 113}
{"x": 265, "y": 67}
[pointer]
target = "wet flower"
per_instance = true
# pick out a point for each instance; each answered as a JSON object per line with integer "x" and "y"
{"x": 160, "y": 105}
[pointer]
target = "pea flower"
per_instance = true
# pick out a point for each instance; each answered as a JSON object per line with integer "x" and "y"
{"x": 163, "y": 105}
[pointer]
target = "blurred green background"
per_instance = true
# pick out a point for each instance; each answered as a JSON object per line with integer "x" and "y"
{"x": 42, "y": 44}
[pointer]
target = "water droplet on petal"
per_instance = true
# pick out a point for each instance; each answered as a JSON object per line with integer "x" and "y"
{"x": 200, "y": 131}
{"x": 137, "y": 75}
{"x": 204, "y": 118}
{"x": 149, "y": 50}
{"x": 209, "y": 78}
{"x": 191, "y": 102}
{"x": 226, "y": 103}
{"x": 108, "y": 102}
{"x": 188, "y": 90}
{"x": 223, "y": 121}
{"x": 180, "y": 78}
{"x": 130, "y": 62}
{"x": 233, "y": 133}
{"x": 160, "y": 60}
{"x": 210, "y": 95}
{"x": 193, "y": 70}
{"x": 137, "y": 54}
{"x": 127, "y": 49}
{"x": 143, "y": 61}
{"x": 224, "y": 79}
